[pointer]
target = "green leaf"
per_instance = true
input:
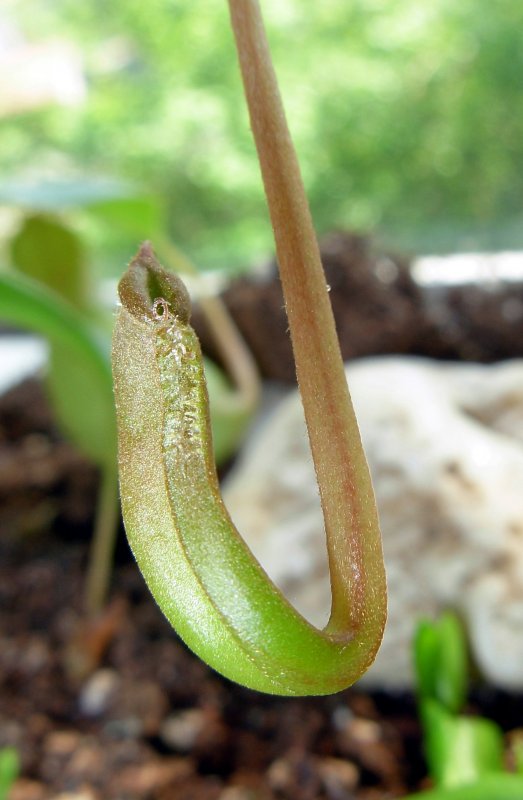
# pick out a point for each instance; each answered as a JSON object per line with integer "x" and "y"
{"x": 425, "y": 649}
{"x": 139, "y": 216}
{"x": 80, "y": 378}
{"x": 441, "y": 663}
{"x": 459, "y": 750}
{"x": 48, "y": 251}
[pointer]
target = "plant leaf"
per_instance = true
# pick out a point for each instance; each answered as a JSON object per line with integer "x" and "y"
{"x": 48, "y": 251}
{"x": 441, "y": 663}
{"x": 80, "y": 377}
{"x": 139, "y": 216}
{"x": 459, "y": 749}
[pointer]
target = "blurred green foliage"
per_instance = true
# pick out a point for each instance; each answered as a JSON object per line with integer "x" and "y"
{"x": 48, "y": 251}
{"x": 405, "y": 117}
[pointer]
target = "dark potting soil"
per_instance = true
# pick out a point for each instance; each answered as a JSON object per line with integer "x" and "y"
{"x": 380, "y": 309}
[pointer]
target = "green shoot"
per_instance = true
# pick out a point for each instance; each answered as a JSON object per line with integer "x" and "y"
{"x": 464, "y": 753}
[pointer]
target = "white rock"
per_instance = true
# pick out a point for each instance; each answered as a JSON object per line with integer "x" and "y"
{"x": 98, "y": 691}
{"x": 21, "y": 357}
{"x": 445, "y": 448}
{"x": 180, "y": 731}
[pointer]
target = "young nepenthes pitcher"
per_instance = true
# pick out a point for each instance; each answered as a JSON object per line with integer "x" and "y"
{"x": 202, "y": 574}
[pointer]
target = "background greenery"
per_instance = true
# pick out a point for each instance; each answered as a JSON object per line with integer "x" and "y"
{"x": 407, "y": 117}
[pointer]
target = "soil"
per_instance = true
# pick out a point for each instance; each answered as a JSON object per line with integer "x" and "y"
{"x": 117, "y": 707}
{"x": 380, "y": 309}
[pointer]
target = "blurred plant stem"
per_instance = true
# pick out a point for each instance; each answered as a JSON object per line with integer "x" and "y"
{"x": 101, "y": 552}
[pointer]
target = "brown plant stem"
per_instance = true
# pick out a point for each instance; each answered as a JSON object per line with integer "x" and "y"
{"x": 353, "y": 539}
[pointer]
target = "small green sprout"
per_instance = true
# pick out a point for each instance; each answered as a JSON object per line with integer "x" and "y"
{"x": 464, "y": 753}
